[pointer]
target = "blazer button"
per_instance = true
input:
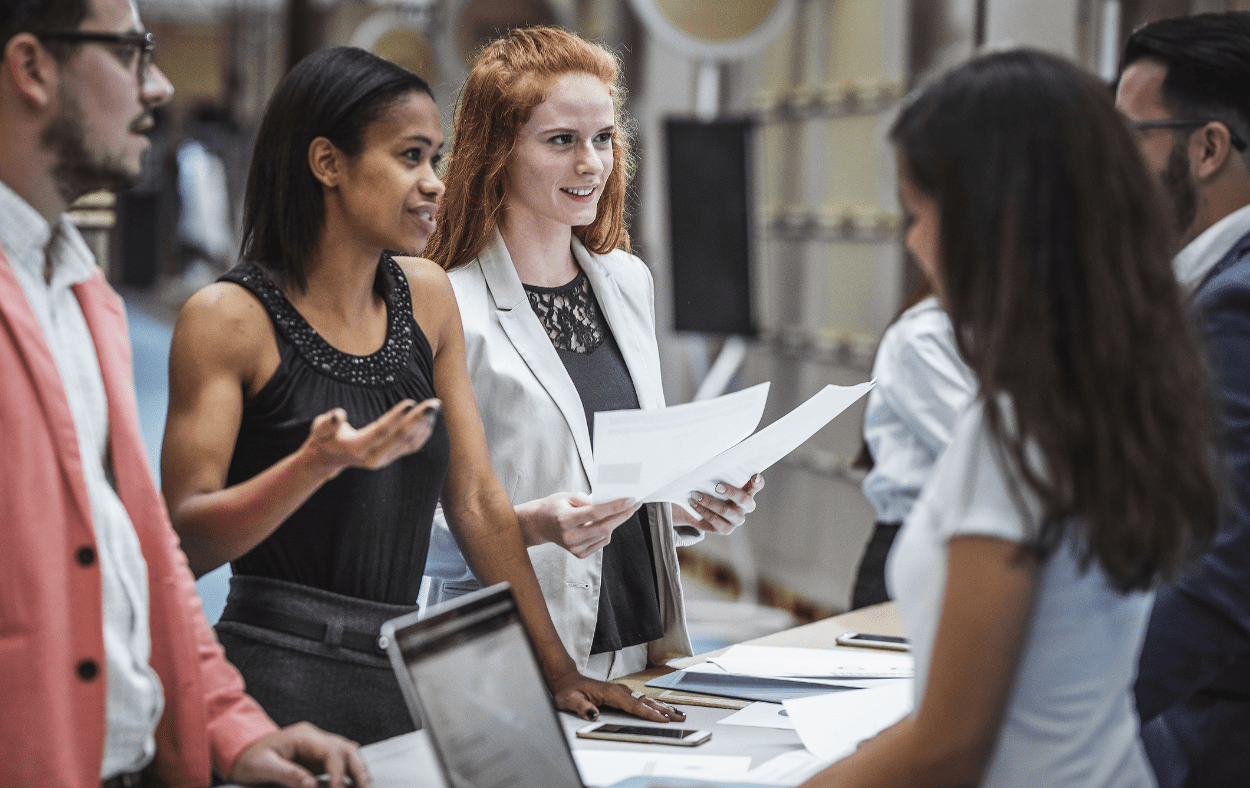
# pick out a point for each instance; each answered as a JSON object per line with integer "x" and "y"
{"x": 88, "y": 669}
{"x": 85, "y": 555}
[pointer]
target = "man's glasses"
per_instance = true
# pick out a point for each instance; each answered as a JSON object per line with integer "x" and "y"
{"x": 142, "y": 43}
{"x": 1188, "y": 123}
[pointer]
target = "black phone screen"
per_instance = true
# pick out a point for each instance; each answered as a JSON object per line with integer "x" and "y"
{"x": 879, "y": 638}
{"x": 644, "y": 730}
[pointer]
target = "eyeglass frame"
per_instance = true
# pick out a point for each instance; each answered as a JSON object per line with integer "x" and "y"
{"x": 1184, "y": 123}
{"x": 144, "y": 42}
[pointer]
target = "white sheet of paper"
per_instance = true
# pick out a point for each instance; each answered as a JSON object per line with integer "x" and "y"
{"x": 758, "y": 452}
{"x": 643, "y": 447}
{"x": 789, "y": 768}
{"x": 761, "y": 715}
{"x": 712, "y": 667}
{"x": 638, "y": 451}
{"x": 831, "y": 726}
{"x": 604, "y": 767}
{"x": 395, "y": 762}
{"x": 814, "y": 663}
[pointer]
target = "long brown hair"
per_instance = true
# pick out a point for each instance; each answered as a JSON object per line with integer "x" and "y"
{"x": 510, "y": 78}
{"x": 1055, "y": 255}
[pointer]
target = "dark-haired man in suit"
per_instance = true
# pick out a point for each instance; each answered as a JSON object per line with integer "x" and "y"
{"x": 1185, "y": 86}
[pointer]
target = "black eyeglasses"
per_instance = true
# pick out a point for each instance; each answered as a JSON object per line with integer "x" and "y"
{"x": 142, "y": 43}
{"x": 1188, "y": 123}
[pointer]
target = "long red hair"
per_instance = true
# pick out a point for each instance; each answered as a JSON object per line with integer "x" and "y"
{"x": 511, "y": 77}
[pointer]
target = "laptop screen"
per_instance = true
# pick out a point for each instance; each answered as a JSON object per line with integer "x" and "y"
{"x": 470, "y": 676}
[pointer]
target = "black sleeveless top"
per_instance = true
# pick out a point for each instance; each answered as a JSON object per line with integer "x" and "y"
{"x": 363, "y": 533}
{"x": 629, "y": 605}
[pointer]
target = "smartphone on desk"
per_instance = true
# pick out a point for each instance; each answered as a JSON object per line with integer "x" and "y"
{"x": 865, "y": 640}
{"x": 644, "y": 734}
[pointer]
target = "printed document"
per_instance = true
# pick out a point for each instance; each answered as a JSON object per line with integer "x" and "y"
{"x": 663, "y": 455}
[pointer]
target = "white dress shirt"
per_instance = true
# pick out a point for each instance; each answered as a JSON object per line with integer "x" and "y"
{"x": 134, "y": 699}
{"x": 1200, "y": 255}
{"x": 922, "y": 388}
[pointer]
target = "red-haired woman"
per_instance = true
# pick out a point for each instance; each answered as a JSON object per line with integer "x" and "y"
{"x": 559, "y": 323}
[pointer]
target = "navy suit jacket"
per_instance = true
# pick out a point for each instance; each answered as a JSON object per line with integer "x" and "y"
{"x": 1199, "y": 633}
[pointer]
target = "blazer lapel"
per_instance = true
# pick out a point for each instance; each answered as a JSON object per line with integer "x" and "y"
{"x": 625, "y": 327}
{"x": 1234, "y": 254}
{"x": 19, "y": 319}
{"x": 531, "y": 342}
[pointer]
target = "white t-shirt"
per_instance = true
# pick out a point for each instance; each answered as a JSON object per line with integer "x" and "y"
{"x": 1070, "y": 719}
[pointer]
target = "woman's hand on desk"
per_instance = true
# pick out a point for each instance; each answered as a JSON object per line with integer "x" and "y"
{"x": 572, "y": 521}
{"x": 719, "y": 515}
{"x": 583, "y": 696}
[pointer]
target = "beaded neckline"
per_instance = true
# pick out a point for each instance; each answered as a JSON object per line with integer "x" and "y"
{"x": 380, "y": 368}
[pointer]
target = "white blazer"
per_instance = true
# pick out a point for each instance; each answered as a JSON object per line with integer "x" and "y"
{"x": 538, "y": 438}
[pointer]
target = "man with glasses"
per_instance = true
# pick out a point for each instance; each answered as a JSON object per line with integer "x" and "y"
{"x": 1185, "y": 86}
{"x": 109, "y": 673}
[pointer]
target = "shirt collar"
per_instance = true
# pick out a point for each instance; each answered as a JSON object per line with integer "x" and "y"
{"x": 1200, "y": 255}
{"x": 29, "y": 240}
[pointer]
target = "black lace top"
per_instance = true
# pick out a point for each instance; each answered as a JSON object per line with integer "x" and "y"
{"x": 364, "y": 533}
{"x": 570, "y": 314}
{"x": 629, "y": 607}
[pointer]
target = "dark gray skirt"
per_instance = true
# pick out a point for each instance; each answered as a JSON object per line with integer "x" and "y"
{"x": 309, "y": 654}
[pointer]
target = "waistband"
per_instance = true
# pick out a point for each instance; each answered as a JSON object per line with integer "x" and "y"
{"x": 314, "y": 614}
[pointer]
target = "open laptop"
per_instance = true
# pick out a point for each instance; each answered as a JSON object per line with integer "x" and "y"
{"x": 471, "y": 678}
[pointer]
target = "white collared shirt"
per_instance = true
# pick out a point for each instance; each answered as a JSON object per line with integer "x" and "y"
{"x": 133, "y": 695}
{"x": 1200, "y": 255}
{"x": 923, "y": 386}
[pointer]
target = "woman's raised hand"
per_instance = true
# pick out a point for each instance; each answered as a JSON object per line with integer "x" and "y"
{"x": 400, "y": 431}
{"x": 721, "y": 515}
{"x": 572, "y": 521}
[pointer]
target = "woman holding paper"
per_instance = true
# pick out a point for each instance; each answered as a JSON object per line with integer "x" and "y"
{"x": 559, "y": 323}
{"x": 1081, "y": 475}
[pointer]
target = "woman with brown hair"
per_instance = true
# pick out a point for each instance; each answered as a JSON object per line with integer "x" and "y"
{"x": 304, "y": 442}
{"x": 559, "y": 323}
{"x": 1082, "y": 473}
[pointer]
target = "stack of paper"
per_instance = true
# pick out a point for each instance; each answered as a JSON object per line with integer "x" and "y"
{"x": 663, "y": 455}
{"x": 814, "y": 664}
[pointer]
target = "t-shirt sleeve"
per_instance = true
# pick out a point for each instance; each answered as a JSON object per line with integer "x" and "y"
{"x": 977, "y": 489}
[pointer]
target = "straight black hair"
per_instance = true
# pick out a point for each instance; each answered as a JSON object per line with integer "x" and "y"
{"x": 333, "y": 93}
{"x": 1208, "y": 66}
{"x": 1055, "y": 249}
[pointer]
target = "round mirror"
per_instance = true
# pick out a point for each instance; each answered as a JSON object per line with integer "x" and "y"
{"x": 715, "y": 29}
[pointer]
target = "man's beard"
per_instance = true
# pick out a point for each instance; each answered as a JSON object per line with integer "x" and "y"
{"x": 1179, "y": 184}
{"x": 78, "y": 170}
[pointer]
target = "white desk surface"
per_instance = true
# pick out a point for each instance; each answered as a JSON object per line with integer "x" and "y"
{"x": 408, "y": 762}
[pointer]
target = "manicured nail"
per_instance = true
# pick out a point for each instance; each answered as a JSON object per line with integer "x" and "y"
{"x": 721, "y": 489}
{"x": 408, "y": 406}
{"x": 696, "y": 496}
{"x": 592, "y": 715}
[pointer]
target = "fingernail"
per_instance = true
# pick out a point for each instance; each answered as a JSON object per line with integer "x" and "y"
{"x": 592, "y": 715}
{"x": 721, "y": 489}
{"x": 696, "y": 496}
{"x": 408, "y": 406}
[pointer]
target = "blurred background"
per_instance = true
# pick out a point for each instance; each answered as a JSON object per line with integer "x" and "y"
{"x": 764, "y": 205}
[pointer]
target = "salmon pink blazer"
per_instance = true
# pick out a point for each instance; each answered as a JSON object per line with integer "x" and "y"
{"x": 51, "y": 623}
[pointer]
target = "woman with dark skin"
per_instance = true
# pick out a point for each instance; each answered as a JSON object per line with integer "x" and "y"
{"x": 304, "y": 442}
